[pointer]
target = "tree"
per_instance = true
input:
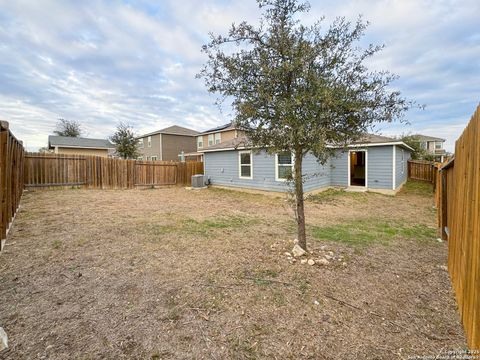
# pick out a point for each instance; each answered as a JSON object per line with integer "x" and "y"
{"x": 69, "y": 128}
{"x": 44, "y": 149}
{"x": 418, "y": 153}
{"x": 125, "y": 142}
{"x": 299, "y": 88}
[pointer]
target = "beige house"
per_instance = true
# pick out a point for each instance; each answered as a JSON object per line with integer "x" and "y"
{"x": 433, "y": 145}
{"x": 168, "y": 144}
{"x": 217, "y": 135}
{"x": 80, "y": 146}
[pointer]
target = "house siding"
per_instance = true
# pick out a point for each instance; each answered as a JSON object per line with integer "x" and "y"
{"x": 225, "y": 135}
{"x": 154, "y": 150}
{"x": 380, "y": 167}
{"x": 401, "y": 176}
{"x": 222, "y": 168}
{"x": 82, "y": 151}
{"x": 339, "y": 168}
{"x": 173, "y": 145}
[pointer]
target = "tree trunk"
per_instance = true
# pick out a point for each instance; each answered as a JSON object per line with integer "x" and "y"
{"x": 298, "y": 180}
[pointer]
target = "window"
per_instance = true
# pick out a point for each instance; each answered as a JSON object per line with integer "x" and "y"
{"x": 218, "y": 138}
{"x": 149, "y": 141}
{"x": 438, "y": 145}
{"x": 140, "y": 158}
{"x": 147, "y": 158}
{"x": 403, "y": 161}
{"x": 210, "y": 139}
{"x": 153, "y": 158}
{"x": 245, "y": 165}
{"x": 200, "y": 142}
{"x": 140, "y": 143}
{"x": 423, "y": 145}
{"x": 283, "y": 166}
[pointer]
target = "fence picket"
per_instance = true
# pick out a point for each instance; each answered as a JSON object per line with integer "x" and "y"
{"x": 458, "y": 220}
{"x": 52, "y": 170}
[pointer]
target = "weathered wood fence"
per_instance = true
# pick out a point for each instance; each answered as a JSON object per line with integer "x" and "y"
{"x": 458, "y": 205}
{"x": 11, "y": 178}
{"x": 94, "y": 172}
{"x": 421, "y": 170}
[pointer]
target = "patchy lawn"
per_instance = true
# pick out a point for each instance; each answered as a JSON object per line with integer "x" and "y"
{"x": 173, "y": 273}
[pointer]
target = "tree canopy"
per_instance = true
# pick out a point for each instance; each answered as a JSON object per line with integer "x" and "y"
{"x": 69, "y": 128}
{"x": 126, "y": 143}
{"x": 300, "y": 88}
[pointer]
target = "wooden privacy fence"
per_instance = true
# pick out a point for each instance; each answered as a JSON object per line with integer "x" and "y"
{"x": 11, "y": 178}
{"x": 458, "y": 217}
{"x": 94, "y": 172}
{"x": 421, "y": 170}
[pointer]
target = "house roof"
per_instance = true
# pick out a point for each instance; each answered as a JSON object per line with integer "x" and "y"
{"x": 78, "y": 142}
{"x": 367, "y": 140}
{"x": 420, "y": 137}
{"x": 224, "y": 127}
{"x": 173, "y": 130}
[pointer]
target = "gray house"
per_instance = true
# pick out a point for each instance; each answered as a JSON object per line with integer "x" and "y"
{"x": 376, "y": 163}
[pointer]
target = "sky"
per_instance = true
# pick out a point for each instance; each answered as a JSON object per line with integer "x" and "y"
{"x": 102, "y": 62}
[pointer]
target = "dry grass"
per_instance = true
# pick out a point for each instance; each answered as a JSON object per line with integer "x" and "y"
{"x": 172, "y": 273}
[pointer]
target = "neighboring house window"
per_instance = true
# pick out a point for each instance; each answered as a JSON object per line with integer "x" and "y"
{"x": 153, "y": 158}
{"x": 438, "y": 145}
{"x": 140, "y": 158}
{"x": 149, "y": 141}
{"x": 210, "y": 139}
{"x": 148, "y": 158}
{"x": 245, "y": 165}
{"x": 403, "y": 161}
{"x": 218, "y": 138}
{"x": 140, "y": 143}
{"x": 200, "y": 142}
{"x": 283, "y": 166}
{"x": 423, "y": 145}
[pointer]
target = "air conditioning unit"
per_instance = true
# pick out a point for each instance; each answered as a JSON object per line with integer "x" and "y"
{"x": 198, "y": 182}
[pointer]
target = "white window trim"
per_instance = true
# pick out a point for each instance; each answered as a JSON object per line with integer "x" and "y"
{"x": 366, "y": 167}
{"x": 276, "y": 167}
{"x": 152, "y": 158}
{"x": 240, "y": 164}
{"x": 199, "y": 142}
{"x": 211, "y": 137}
{"x": 219, "y": 138}
{"x": 149, "y": 141}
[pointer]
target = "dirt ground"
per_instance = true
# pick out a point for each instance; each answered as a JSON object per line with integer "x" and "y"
{"x": 180, "y": 274}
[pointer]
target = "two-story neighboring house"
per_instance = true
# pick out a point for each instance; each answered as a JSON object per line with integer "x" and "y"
{"x": 217, "y": 135}
{"x": 433, "y": 145}
{"x": 167, "y": 144}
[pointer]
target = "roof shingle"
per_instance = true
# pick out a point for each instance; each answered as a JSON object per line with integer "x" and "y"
{"x": 78, "y": 142}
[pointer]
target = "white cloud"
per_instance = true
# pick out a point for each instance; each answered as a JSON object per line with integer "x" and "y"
{"x": 103, "y": 62}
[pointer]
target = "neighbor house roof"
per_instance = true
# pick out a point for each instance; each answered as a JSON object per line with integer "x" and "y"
{"x": 367, "y": 140}
{"x": 173, "y": 130}
{"x": 224, "y": 127}
{"x": 78, "y": 142}
{"x": 420, "y": 137}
